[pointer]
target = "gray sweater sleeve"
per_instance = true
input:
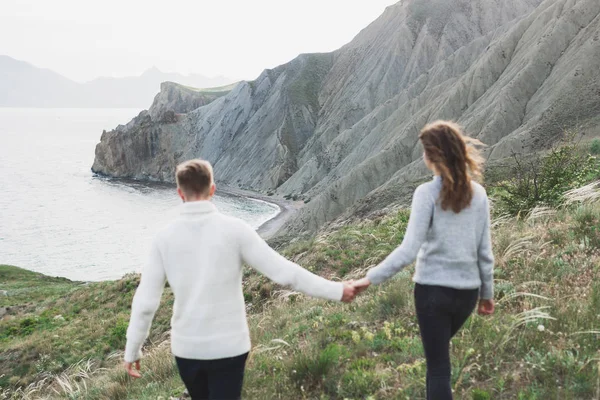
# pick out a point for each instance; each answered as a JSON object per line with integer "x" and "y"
{"x": 416, "y": 232}
{"x": 485, "y": 258}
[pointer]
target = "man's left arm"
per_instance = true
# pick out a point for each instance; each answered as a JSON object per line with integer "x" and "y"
{"x": 145, "y": 303}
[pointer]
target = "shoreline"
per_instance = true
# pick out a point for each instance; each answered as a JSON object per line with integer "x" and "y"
{"x": 267, "y": 230}
{"x": 287, "y": 208}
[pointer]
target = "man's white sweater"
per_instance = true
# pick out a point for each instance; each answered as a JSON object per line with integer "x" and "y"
{"x": 201, "y": 254}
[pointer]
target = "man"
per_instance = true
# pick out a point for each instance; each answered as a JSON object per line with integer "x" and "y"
{"x": 201, "y": 254}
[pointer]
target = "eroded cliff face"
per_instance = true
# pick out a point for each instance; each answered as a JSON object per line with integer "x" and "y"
{"x": 252, "y": 135}
{"x": 341, "y": 128}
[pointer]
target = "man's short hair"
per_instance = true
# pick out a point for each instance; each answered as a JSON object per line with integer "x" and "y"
{"x": 194, "y": 177}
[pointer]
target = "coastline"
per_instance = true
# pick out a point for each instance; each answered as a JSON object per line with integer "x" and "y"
{"x": 287, "y": 208}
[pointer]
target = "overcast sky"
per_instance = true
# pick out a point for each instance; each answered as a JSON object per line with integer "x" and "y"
{"x": 84, "y": 39}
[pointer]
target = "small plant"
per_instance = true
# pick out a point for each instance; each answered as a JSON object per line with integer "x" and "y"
{"x": 586, "y": 227}
{"x": 118, "y": 334}
{"x": 595, "y": 147}
{"x": 391, "y": 303}
{"x": 479, "y": 394}
{"x": 541, "y": 180}
{"x": 310, "y": 370}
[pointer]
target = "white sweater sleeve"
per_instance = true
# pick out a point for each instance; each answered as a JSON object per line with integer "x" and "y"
{"x": 145, "y": 303}
{"x": 257, "y": 253}
{"x": 416, "y": 232}
{"x": 485, "y": 258}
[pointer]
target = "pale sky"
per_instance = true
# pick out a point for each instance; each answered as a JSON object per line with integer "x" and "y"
{"x": 84, "y": 39}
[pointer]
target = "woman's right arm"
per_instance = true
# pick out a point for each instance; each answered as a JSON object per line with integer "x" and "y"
{"x": 416, "y": 232}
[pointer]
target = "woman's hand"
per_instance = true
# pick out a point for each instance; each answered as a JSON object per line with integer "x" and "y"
{"x": 486, "y": 307}
{"x": 361, "y": 285}
{"x": 349, "y": 292}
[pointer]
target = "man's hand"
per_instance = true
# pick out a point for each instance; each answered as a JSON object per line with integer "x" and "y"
{"x": 361, "y": 285}
{"x": 132, "y": 372}
{"x": 486, "y": 307}
{"x": 349, "y": 292}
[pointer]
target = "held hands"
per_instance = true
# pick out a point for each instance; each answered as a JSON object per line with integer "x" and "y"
{"x": 349, "y": 292}
{"x": 353, "y": 288}
{"x": 361, "y": 285}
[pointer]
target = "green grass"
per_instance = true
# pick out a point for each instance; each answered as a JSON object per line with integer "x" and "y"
{"x": 53, "y": 323}
{"x": 595, "y": 147}
{"x": 541, "y": 343}
{"x": 29, "y": 287}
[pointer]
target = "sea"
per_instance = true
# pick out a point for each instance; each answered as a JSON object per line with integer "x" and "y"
{"x": 60, "y": 219}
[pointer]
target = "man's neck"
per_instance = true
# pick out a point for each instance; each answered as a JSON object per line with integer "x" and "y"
{"x": 189, "y": 200}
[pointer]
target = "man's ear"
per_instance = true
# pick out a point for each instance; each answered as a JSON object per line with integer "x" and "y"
{"x": 213, "y": 188}
{"x": 180, "y": 193}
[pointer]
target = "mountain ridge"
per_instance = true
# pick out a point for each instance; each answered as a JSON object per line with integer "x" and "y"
{"x": 340, "y": 127}
{"x": 25, "y": 85}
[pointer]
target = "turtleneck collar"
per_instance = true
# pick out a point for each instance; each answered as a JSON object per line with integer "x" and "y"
{"x": 198, "y": 207}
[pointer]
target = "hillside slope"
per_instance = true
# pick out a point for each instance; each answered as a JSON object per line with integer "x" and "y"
{"x": 541, "y": 343}
{"x": 338, "y": 127}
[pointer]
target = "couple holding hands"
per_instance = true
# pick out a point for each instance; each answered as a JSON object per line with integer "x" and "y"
{"x": 201, "y": 254}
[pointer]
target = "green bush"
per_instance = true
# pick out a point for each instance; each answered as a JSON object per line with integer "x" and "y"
{"x": 479, "y": 394}
{"x": 595, "y": 147}
{"x": 587, "y": 227}
{"x": 390, "y": 304}
{"x": 118, "y": 334}
{"x": 310, "y": 370}
{"x": 542, "y": 180}
{"x": 359, "y": 383}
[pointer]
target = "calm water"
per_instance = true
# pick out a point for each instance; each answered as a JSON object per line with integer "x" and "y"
{"x": 58, "y": 219}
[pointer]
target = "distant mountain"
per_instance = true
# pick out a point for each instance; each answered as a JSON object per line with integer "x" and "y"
{"x": 24, "y": 85}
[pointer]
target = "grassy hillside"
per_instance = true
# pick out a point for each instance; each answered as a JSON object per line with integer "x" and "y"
{"x": 51, "y": 324}
{"x": 63, "y": 339}
{"x": 543, "y": 341}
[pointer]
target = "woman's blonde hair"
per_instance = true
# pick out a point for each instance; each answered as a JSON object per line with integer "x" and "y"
{"x": 456, "y": 159}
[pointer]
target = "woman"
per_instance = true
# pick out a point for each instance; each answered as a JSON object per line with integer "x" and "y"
{"x": 449, "y": 235}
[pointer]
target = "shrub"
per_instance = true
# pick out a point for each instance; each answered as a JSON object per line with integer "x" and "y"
{"x": 595, "y": 147}
{"x": 310, "y": 370}
{"x": 392, "y": 301}
{"x": 542, "y": 180}
{"x": 118, "y": 334}
{"x": 586, "y": 227}
{"x": 479, "y": 394}
{"x": 358, "y": 383}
